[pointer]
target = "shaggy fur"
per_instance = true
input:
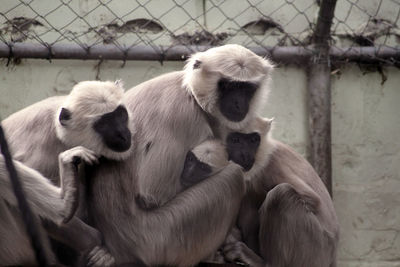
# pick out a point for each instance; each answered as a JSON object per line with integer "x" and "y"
{"x": 212, "y": 152}
{"x": 35, "y": 138}
{"x": 171, "y": 115}
{"x": 235, "y": 63}
{"x": 287, "y": 215}
{"x": 89, "y": 100}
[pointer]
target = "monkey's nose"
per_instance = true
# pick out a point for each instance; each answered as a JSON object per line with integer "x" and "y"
{"x": 237, "y": 105}
{"x": 122, "y": 137}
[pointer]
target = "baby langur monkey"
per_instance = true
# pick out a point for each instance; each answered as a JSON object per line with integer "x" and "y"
{"x": 287, "y": 216}
{"x": 212, "y": 155}
{"x": 202, "y": 162}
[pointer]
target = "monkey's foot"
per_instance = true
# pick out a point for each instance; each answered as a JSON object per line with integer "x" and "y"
{"x": 238, "y": 252}
{"x": 216, "y": 258}
{"x": 99, "y": 256}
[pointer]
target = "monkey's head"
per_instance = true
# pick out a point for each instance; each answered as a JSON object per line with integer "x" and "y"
{"x": 203, "y": 161}
{"x": 243, "y": 147}
{"x": 93, "y": 116}
{"x": 229, "y": 82}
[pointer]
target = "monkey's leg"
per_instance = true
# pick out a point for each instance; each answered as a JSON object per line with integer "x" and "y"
{"x": 86, "y": 240}
{"x": 290, "y": 232}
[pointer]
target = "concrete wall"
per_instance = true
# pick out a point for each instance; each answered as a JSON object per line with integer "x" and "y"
{"x": 365, "y": 123}
{"x": 366, "y": 166}
{"x": 365, "y": 137}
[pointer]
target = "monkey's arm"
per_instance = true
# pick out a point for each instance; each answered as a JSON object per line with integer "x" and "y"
{"x": 46, "y": 199}
{"x": 193, "y": 224}
{"x": 68, "y": 164}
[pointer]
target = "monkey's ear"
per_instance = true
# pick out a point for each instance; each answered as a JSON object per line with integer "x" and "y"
{"x": 268, "y": 66}
{"x": 197, "y": 64}
{"x": 265, "y": 124}
{"x": 269, "y": 122}
{"x": 64, "y": 117}
{"x": 119, "y": 83}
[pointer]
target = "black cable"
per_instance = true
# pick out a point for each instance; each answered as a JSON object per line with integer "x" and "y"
{"x": 26, "y": 212}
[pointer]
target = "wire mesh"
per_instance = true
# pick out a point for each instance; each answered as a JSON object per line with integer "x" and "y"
{"x": 163, "y": 25}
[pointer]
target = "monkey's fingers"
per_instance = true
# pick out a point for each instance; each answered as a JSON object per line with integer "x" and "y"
{"x": 239, "y": 253}
{"x": 79, "y": 152}
{"x": 89, "y": 157}
{"x": 99, "y": 256}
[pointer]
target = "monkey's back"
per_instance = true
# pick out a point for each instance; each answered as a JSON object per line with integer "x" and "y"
{"x": 288, "y": 166}
{"x": 169, "y": 123}
{"x": 32, "y": 137}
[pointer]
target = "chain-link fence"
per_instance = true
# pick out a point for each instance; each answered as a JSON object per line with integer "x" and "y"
{"x": 322, "y": 33}
{"x": 363, "y": 31}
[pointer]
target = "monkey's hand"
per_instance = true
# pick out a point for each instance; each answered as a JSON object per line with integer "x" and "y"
{"x": 99, "y": 256}
{"x": 239, "y": 253}
{"x": 77, "y": 154}
{"x": 68, "y": 162}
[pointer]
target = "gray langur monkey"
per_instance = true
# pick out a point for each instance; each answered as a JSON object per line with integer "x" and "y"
{"x": 48, "y": 201}
{"x": 287, "y": 217}
{"x": 93, "y": 116}
{"x": 203, "y": 161}
{"x": 172, "y": 114}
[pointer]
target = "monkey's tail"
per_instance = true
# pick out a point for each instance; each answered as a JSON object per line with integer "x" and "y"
{"x": 26, "y": 212}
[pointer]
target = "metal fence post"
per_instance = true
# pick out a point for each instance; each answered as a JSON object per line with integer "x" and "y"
{"x": 319, "y": 95}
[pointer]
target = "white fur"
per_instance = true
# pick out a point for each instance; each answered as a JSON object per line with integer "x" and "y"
{"x": 267, "y": 145}
{"x": 235, "y": 63}
{"x": 262, "y": 126}
{"x": 213, "y": 153}
{"x": 87, "y": 101}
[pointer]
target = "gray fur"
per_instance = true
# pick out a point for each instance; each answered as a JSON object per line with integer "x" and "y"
{"x": 287, "y": 215}
{"x": 171, "y": 115}
{"x": 188, "y": 226}
{"x": 36, "y": 138}
{"x": 46, "y": 200}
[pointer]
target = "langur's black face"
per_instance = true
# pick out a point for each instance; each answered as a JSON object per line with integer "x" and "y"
{"x": 242, "y": 148}
{"x": 234, "y": 98}
{"x": 113, "y": 129}
{"x": 194, "y": 170}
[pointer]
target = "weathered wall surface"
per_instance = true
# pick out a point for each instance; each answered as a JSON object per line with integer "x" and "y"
{"x": 365, "y": 137}
{"x": 366, "y": 166}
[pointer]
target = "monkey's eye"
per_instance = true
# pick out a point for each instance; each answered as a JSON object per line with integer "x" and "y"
{"x": 235, "y": 140}
{"x": 197, "y": 64}
{"x": 190, "y": 157}
{"x": 255, "y": 139}
{"x": 204, "y": 167}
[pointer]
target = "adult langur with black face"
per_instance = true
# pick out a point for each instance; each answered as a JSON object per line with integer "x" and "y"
{"x": 171, "y": 114}
{"x": 287, "y": 217}
{"x": 93, "y": 116}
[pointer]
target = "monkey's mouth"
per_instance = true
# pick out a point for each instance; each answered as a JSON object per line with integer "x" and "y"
{"x": 246, "y": 165}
